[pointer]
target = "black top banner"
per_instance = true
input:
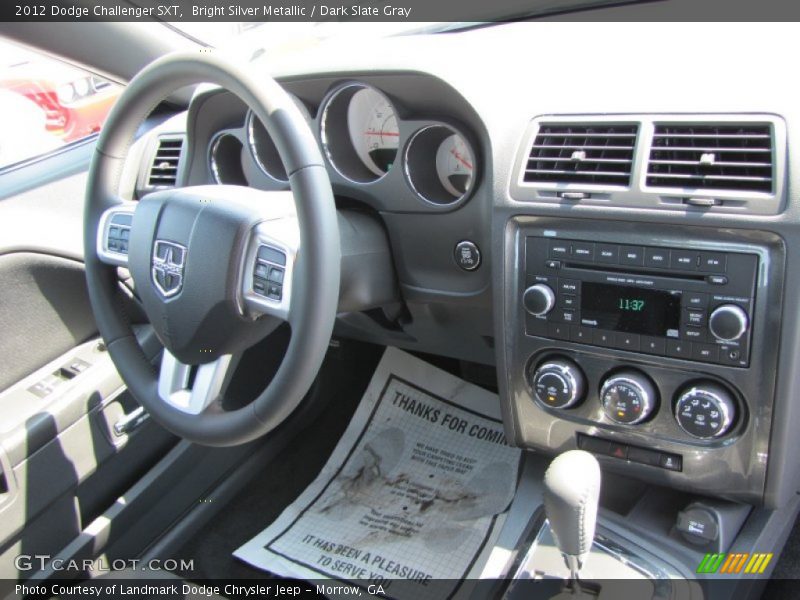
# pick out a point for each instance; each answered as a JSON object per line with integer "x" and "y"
{"x": 448, "y": 11}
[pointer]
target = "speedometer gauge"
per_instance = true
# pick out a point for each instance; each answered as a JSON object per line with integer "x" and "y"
{"x": 455, "y": 165}
{"x": 372, "y": 124}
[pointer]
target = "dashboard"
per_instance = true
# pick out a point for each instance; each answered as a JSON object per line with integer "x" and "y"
{"x": 621, "y": 250}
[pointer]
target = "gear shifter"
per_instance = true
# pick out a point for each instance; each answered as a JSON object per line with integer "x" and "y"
{"x": 571, "y": 495}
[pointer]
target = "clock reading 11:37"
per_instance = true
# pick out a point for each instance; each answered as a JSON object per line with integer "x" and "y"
{"x": 632, "y": 304}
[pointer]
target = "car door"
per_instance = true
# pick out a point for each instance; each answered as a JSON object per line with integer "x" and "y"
{"x": 72, "y": 440}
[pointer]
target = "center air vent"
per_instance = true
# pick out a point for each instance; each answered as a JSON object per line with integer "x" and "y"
{"x": 164, "y": 168}
{"x": 582, "y": 153}
{"x": 730, "y": 157}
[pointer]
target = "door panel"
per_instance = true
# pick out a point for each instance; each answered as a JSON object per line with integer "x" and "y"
{"x": 44, "y": 311}
{"x": 60, "y": 394}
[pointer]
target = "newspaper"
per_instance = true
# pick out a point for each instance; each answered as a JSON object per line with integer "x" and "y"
{"x": 413, "y": 496}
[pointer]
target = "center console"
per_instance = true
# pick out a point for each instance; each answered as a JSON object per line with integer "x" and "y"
{"x": 654, "y": 347}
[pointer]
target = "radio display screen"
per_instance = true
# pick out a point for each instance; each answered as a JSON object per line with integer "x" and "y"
{"x": 630, "y": 309}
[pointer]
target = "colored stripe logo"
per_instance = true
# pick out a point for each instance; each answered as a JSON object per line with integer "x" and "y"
{"x": 735, "y": 563}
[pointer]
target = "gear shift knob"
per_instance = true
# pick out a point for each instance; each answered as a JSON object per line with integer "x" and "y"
{"x": 571, "y": 495}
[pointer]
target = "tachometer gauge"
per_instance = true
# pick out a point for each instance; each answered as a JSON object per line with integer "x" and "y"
{"x": 455, "y": 165}
{"x": 372, "y": 123}
{"x": 263, "y": 148}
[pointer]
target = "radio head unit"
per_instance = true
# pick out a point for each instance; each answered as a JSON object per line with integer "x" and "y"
{"x": 688, "y": 304}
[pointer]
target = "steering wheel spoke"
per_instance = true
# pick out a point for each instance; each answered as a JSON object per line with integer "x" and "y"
{"x": 192, "y": 388}
{"x": 113, "y": 234}
{"x": 269, "y": 265}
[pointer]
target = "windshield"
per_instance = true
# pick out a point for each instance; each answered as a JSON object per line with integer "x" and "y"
{"x": 292, "y": 35}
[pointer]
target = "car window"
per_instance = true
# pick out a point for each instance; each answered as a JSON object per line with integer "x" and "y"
{"x": 46, "y": 104}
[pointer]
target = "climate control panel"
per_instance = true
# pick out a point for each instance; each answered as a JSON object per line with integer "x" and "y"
{"x": 628, "y": 397}
{"x": 703, "y": 409}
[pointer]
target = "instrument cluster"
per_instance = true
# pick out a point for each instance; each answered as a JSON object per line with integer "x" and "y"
{"x": 367, "y": 145}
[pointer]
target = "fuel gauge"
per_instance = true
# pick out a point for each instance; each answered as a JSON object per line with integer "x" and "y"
{"x": 440, "y": 165}
{"x": 455, "y": 165}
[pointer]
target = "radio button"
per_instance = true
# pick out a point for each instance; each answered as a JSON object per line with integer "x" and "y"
{"x": 679, "y": 349}
{"x": 558, "y": 331}
{"x": 717, "y": 279}
{"x": 631, "y": 255}
{"x": 552, "y": 264}
{"x": 713, "y": 262}
{"x": 653, "y": 345}
{"x": 569, "y": 286}
{"x": 565, "y": 316}
{"x": 694, "y": 317}
{"x": 568, "y": 301}
{"x": 656, "y": 257}
{"x": 607, "y": 253}
{"x": 603, "y": 338}
{"x": 694, "y": 300}
{"x": 728, "y": 322}
{"x": 683, "y": 259}
{"x": 627, "y": 341}
{"x": 535, "y": 325}
{"x": 695, "y": 334}
{"x": 706, "y": 352}
{"x": 582, "y": 335}
{"x": 559, "y": 249}
{"x": 539, "y": 299}
{"x": 583, "y": 251}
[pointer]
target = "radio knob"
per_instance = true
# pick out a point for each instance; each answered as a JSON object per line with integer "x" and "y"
{"x": 628, "y": 397}
{"x": 539, "y": 299}
{"x": 558, "y": 383}
{"x": 728, "y": 322}
{"x": 705, "y": 411}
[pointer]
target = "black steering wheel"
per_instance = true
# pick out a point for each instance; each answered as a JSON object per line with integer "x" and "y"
{"x": 217, "y": 268}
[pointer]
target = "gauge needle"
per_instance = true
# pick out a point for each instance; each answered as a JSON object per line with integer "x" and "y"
{"x": 389, "y": 133}
{"x": 460, "y": 159}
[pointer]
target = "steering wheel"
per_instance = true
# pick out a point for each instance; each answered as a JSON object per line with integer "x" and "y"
{"x": 217, "y": 268}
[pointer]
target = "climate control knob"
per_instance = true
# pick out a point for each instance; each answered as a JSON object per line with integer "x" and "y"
{"x": 628, "y": 397}
{"x": 539, "y": 299}
{"x": 728, "y": 322}
{"x": 705, "y": 410}
{"x": 558, "y": 383}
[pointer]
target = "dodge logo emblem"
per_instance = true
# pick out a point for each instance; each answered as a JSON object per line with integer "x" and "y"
{"x": 168, "y": 262}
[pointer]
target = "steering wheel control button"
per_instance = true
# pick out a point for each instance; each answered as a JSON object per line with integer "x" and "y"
{"x": 558, "y": 383}
{"x": 705, "y": 411}
{"x": 728, "y": 322}
{"x": 628, "y": 397}
{"x": 467, "y": 255}
{"x": 268, "y": 273}
{"x": 276, "y": 275}
{"x": 539, "y": 299}
{"x": 272, "y": 255}
{"x": 261, "y": 271}
{"x": 118, "y": 237}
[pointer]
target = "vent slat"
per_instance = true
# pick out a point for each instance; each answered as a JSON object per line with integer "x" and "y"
{"x": 582, "y": 153}
{"x": 164, "y": 168}
{"x": 725, "y": 157}
{"x": 719, "y": 163}
{"x": 563, "y": 172}
{"x": 621, "y": 161}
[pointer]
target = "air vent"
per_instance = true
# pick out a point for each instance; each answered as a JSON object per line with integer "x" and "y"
{"x": 164, "y": 169}
{"x": 730, "y": 157}
{"x": 582, "y": 153}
